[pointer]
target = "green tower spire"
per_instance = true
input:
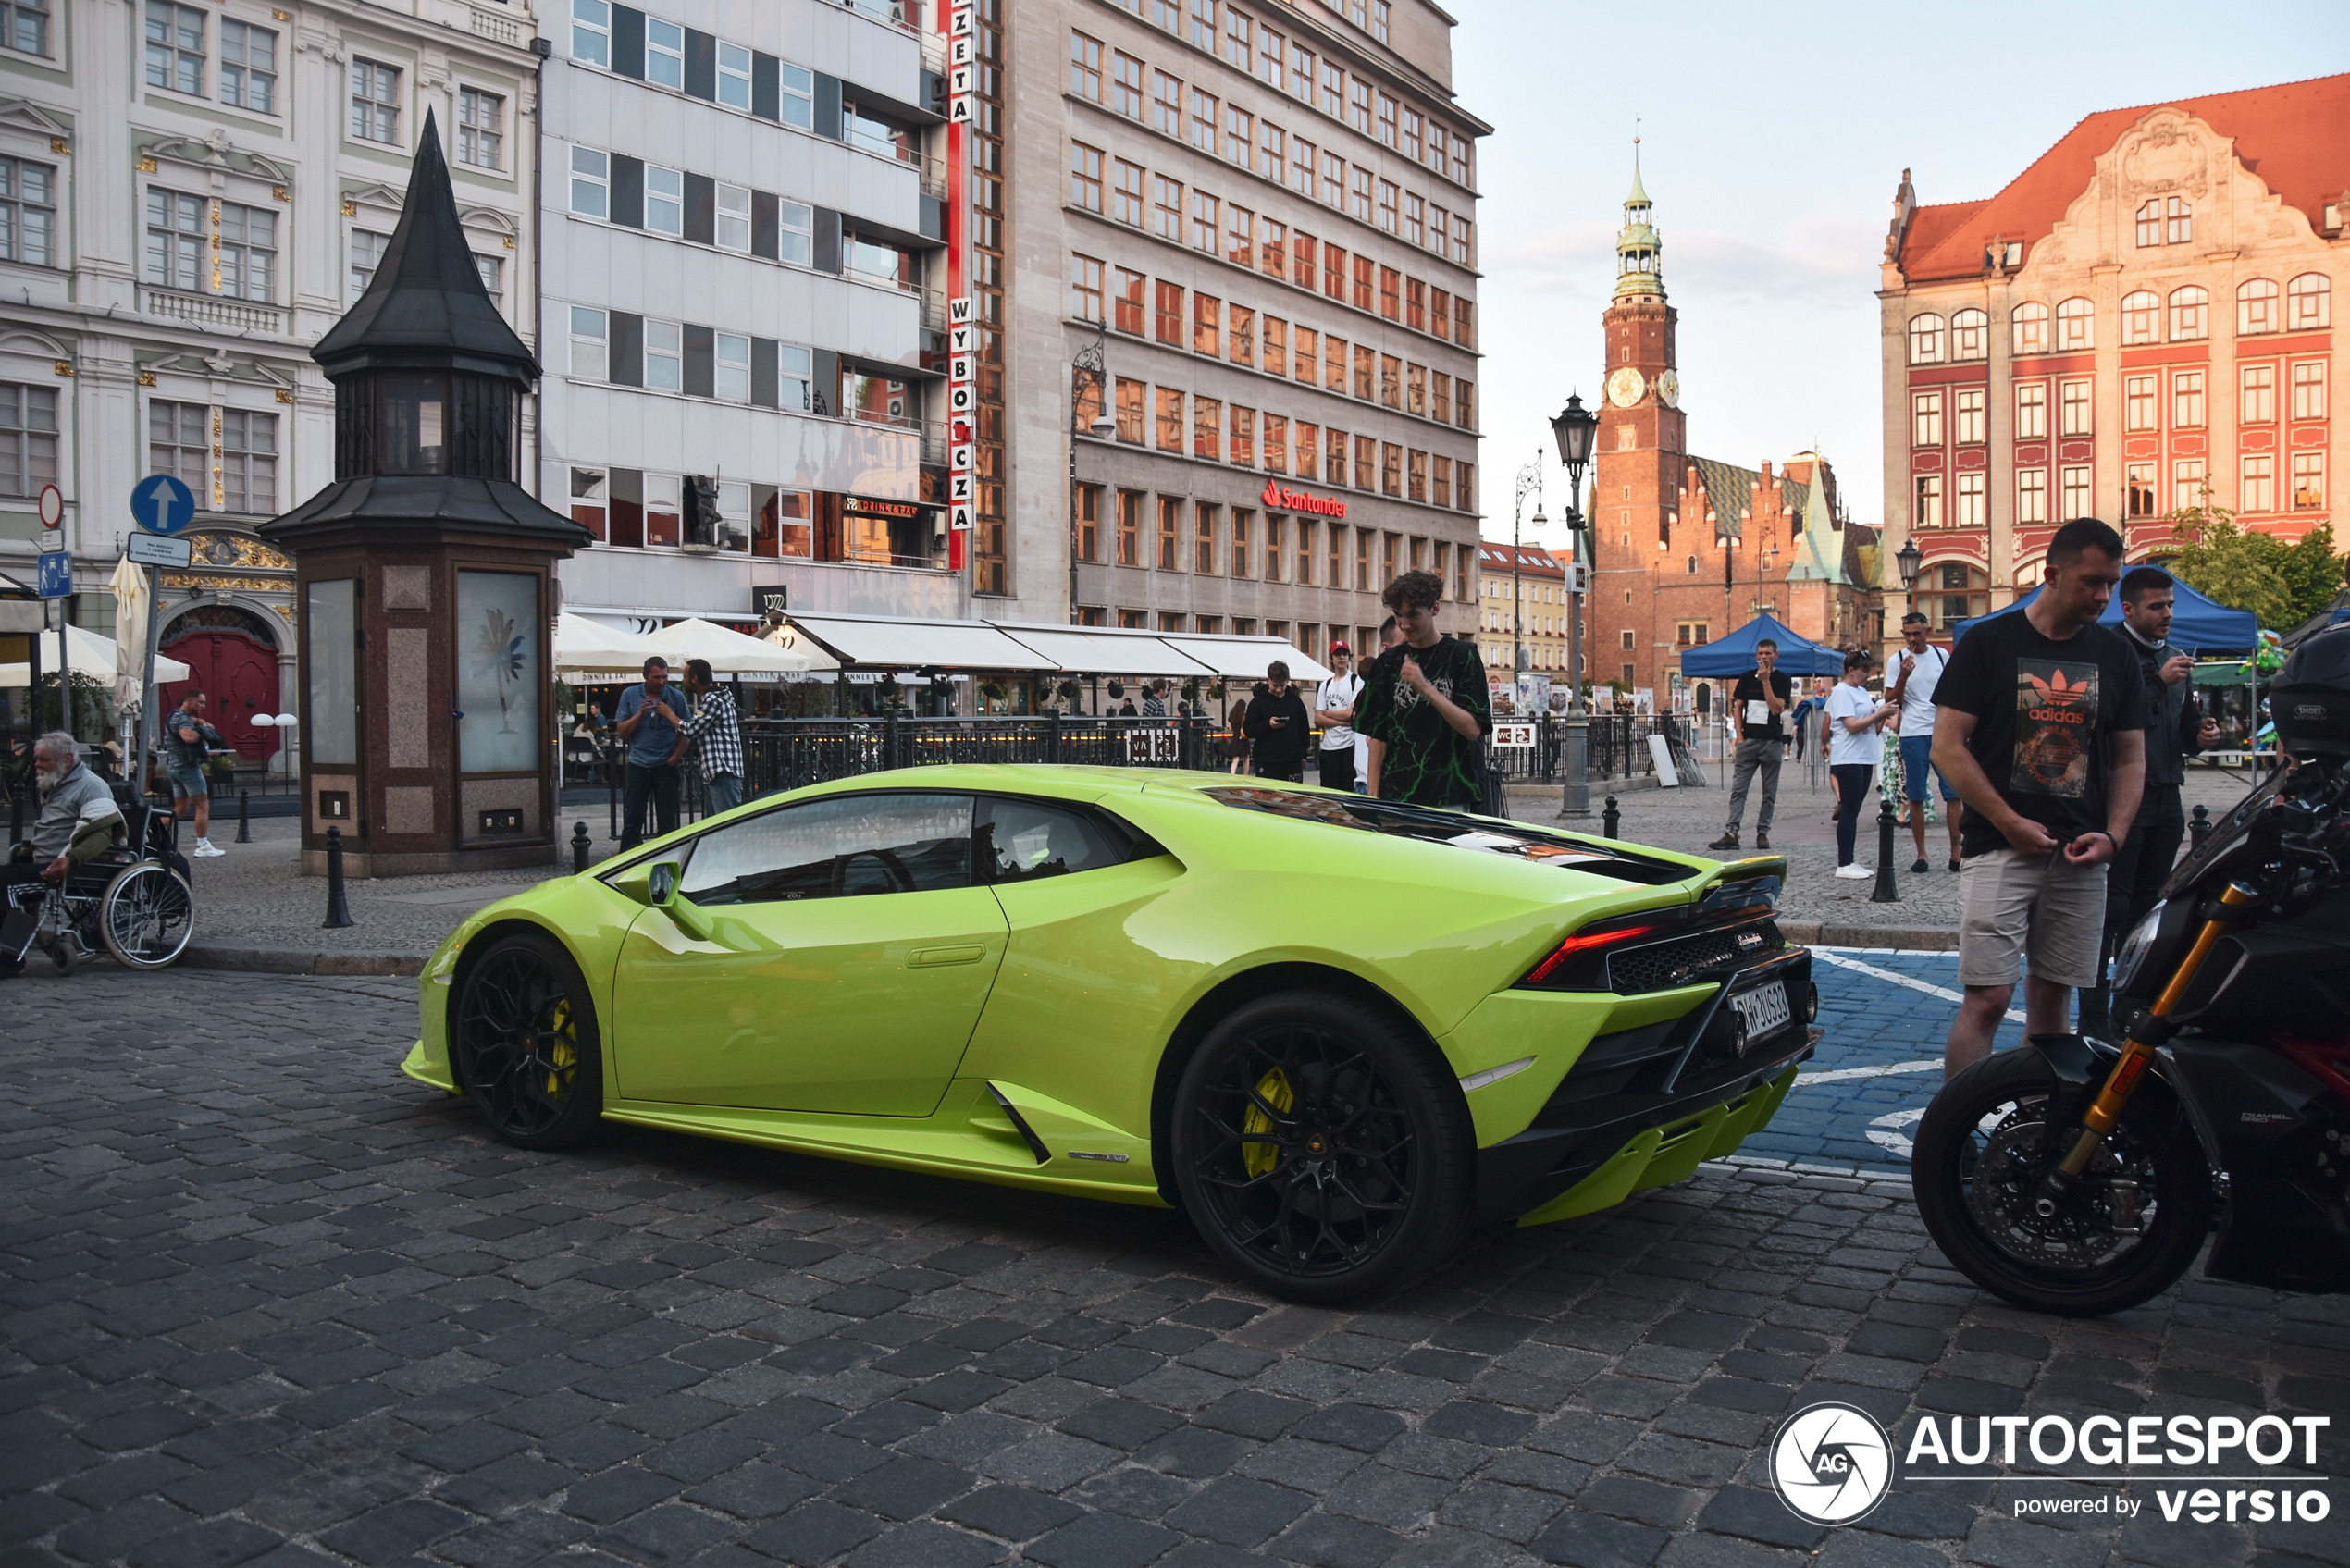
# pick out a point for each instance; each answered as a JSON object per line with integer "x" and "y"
{"x": 1638, "y": 250}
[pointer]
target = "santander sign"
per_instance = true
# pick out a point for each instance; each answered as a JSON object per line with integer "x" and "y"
{"x": 1298, "y": 500}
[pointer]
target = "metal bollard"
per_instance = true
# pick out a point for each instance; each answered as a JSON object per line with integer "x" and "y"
{"x": 244, "y": 821}
{"x": 338, "y": 908}
{"x": 1611, "y": 820}
{"x": 1884, "y": 892}
{"x": 2198, "y": 829}
{"x": 581, "y": 849}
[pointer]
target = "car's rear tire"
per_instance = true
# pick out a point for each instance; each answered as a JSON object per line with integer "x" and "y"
{"x": 523, "y": 1045}
{"x": 1320, "y": 1148}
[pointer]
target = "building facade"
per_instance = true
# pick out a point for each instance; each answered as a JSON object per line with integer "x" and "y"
{"x": 193, "y": 196}
{"x": 1524, "y": 585}
{"x": 1689, "y": 549}
{"x": 2140, "y": 321}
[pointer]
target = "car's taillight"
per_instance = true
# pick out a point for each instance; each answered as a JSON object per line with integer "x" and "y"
{"x": 1582, "y": 944}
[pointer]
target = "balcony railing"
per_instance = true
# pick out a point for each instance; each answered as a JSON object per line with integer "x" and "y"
{"x": 503, "y": 30}
{"x": 212, "y": 309}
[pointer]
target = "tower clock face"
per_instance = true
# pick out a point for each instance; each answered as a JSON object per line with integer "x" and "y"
{"x": 1625, "y": 387}
{"x": 1668, "y": 389}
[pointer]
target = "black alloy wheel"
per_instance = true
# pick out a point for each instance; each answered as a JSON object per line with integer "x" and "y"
{"x": 1320, "y": 1148}
{"x": 523, "y": 1045}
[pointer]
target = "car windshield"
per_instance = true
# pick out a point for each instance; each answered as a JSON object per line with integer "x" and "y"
{"x": 1366, "y": 815}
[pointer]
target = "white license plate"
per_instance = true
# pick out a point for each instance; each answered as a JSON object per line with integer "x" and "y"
{"x": 1764, "y": 1011}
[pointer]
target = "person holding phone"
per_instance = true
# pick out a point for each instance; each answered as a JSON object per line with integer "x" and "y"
{"x": 1853, "y": 720}
{"x": 1278, "y": 726}
{"x": 649, "y": 718}
{"x": 1759, "y": 704}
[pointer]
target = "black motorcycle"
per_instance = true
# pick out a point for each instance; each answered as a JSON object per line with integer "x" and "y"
{"x": 2082, "y": 1176}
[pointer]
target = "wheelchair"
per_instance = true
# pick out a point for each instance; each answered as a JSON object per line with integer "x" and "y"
{"x": 133, "y": 902}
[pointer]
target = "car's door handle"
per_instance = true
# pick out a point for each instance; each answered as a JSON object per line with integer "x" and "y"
{"x": 936, "y": 957}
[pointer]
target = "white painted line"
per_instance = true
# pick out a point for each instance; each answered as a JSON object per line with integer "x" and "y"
{"x": 1893, "y": 952}
{"x": 1886, "y": 1131}
{"x": 1927, "y": 986}
{"x": 1892, "y": 1069}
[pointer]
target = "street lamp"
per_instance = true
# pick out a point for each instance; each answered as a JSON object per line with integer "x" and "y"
{"x": 1529, "y": 481}
{"x": 1908, "y": 563}
{"x": 1089, "y": 365}
{"x": 1576, "y": 428}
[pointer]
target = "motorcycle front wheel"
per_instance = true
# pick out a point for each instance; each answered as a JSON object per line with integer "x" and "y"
{"x": 2130, "y": 1228}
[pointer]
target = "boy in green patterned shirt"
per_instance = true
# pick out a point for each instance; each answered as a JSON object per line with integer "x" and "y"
{"x": 1424, "y": 709}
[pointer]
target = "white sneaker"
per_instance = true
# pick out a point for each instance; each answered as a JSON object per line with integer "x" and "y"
{"x": 205, "y": 849}
{"x": 1850, "y": 873}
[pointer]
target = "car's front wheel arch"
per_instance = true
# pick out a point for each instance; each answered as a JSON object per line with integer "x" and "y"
{"x": 1234, "y": 993}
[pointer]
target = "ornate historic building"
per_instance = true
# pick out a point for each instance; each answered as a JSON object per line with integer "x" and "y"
{"x": 1689, "y": 549}
{"x": 2142, "y": 319}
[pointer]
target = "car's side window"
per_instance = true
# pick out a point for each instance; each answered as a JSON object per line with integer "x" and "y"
{"x": 841, "y": 847}
{"x": 1022, "y": 840}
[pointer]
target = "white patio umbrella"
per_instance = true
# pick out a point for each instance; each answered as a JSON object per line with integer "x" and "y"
{"x": 586, "y": 647}
{"x": 129, "y": 587}
{"x": 91, "y": 655}
{"x": 731, "y": 653}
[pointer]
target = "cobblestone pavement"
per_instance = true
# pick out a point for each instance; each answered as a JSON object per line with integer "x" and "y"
{"x": 269, "y": 1303}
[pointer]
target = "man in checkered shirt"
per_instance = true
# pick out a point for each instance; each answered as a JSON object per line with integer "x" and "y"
{"x": 716, "y": 733}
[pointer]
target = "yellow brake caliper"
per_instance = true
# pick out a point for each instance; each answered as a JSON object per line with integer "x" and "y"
{"x": 1273, "y": 1088}
{"x": 560, "y": 1053}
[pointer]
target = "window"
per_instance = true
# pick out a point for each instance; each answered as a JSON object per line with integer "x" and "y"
{"x": 2137, "y": 490}
{"x": 795, "y": 86}
{"x": 1333, "y": 180}
{"x": 367, "y": 255}
{"x": 2030, "y": 495}
{"x": 1301, "y": 73}
{"x": 1129, "y": 410}
{"x": 28, "y": 212}
{"x": 2137, "y": 403}
{"x": 248, "y": 66}
{"x": 590, "y": 182}
{"x": 1929, "y": 508}
{"x": 1275, "y": 448}
{"x": 1334, "y": 273}
{"x": 1167, "y": 313}
{"x": 1238, "y": 47}
{"x": 1084, "y": 288}
{"x": 2076, "y": 492}
{"x": 248, "y": 462}
{"x": 2030, "y": 327}
{"x": 2256, "y": 307}
{"x": 1307, "y": 464}
{"x": 794, "y": 376}
{"x": 2258, "y": 404}
{"x": 845, "y": 847}
{"x": 1272, "y": 152}
{"x": 2188, "y": 486}
{"x": 2150, "y": 223}
{"x": 664, "y": 200}
{"x": 2178, "y": 221}
{"x": 1391, "y": 381}
{"x": 1126, "y": 192}
{"x": 1439, "y": 397}
{"x": 664, "y": 54}
{"x": 1358, "y": 107}
{"x": 1301, "y": 166}
{"x": 1240, "y": 337}
{"x": 1240, "y": 236}
{"x": 1203, "y": 540}
{"x": 795, "y": 232}
{"x": 664, "y": 355}
{"x": 1206, "y": 111}
{"x": 1925, "y": 419}
{"x": 1126, "y": 85}
{"x": 1243, "y": 558}
{"x": 730, "y": 373}
{"x": 2190, "y": 313}
{"x": 480, "y": 116}
{"x": 1460, "y": 161}
{"x": 731, "y": 210}
{"x": 1271, "y": 50}
{"x": 1203, "y": 26}
{"x": 374, "y": 101}
{"x": 590, "y": 344}
{"x": 175, "y": 46}
{"x": 591, "y": 31}
{"x": 2309, "y": 389}
{"x": 1974, "y": 496}
{"x": 1464, "y": 399}
{"x": 2138, "y": 313}
{"x": 179, "y": 443}
{"x": 1085, "y": 67}
{"x": 176, "y": 236}
{"x": 1207, "y": 325}
{"x": 2259, "y": 491}
{"x": 247, "y": 259}
{"x": 24, "y": 24}
{"x": 1240, "y": 134}
{"x": 2186, "y": 400}
{"x": 734, "y": 76}
{"x": 1170, "y": 531}
{"x": 1207, "y": 429}
{"x": 2073, "y": 401}
{"x": 28, "y": 438}
{"x": 1969, "y": 410}
{"x": 1166, "y": 104}
{"x": 1926, "y": 339}
{"x": 1129, "y": 525}
{"x": 2309, "y": 480}
{"x": 1167, "y": 208}
{"x": 2031, "y": 411}
{"x": 1127, "y": 300}
{"x": 1086, "y": 177}
{"x": 1171, "y": 420}
{"x": 1359, "y": 195}
{"x": 2075, "y": 326}
{"x": 2309, "y": 301}
{"x": 1970, "y": 335}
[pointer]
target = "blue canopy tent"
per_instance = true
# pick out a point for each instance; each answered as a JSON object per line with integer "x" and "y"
{"x": 2198, "y": 624}
{"x": 1734, "y": 655}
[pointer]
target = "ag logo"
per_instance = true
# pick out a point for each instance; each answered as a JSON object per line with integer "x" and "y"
{"x": 1831, "y": 1464}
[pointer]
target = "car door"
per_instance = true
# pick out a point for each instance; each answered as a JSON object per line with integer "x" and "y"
{"x": 847, "y": 953}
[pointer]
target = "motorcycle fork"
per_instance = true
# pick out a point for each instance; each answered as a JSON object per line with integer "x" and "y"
{"x": 2105, "y": 1112}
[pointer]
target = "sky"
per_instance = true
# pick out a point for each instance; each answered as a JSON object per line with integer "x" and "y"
{"x": 1772, "y": 139}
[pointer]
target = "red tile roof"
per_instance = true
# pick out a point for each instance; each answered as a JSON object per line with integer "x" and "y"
{"x": 2295, "y": 137}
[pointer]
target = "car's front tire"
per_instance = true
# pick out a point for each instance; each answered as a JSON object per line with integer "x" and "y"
{"x": 1321, "y": 1149}
{"x": 523, "y": 1045}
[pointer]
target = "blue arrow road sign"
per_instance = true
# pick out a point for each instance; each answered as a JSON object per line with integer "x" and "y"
{"x": 57, "y": 573}
{"x": 161, "y": 504}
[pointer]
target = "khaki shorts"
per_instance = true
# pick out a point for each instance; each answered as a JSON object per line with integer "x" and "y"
{"x": 2012, "y": 905}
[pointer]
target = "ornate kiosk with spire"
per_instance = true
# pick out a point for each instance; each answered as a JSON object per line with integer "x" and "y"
{"x": 423, "y": 573}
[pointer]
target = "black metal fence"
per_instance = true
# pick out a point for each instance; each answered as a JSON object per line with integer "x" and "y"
{"x": 1617, "y": 748}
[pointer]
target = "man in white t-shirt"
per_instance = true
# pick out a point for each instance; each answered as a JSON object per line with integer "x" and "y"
{"x": 1912, "y": 690}
{"x": 1334, "y": 711}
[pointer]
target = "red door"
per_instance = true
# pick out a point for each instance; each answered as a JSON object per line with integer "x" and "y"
{"x": 240, "y": 678}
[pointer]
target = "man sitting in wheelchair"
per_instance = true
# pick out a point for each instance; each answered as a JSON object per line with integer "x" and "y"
{"x": 79, "y": 821}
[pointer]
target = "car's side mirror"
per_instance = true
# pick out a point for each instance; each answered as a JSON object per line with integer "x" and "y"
{"x": 662, "y": 884}
{"x": 635, "y": 883}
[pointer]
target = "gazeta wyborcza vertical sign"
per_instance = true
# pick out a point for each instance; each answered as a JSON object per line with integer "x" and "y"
{"x": 962, "y": 315}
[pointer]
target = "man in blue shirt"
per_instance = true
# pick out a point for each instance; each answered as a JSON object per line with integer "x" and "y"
{"x": 647, "y": 719}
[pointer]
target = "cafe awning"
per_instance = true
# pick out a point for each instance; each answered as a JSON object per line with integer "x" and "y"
{"x": 730, "y": 652}
{"x": 878, "y": 642}
{"x": 1245, "y": 659}
{"x": 1091, "y": 651}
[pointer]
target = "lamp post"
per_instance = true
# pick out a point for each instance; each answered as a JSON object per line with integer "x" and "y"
{"x": 1087, "y": 366}
{"x": 1576, "y": 428}
{"x": 1908, "y": 563}
{"x": 1529, "y": 481}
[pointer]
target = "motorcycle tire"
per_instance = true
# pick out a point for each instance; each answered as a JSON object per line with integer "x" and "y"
{"x": 1962, "y": 1143}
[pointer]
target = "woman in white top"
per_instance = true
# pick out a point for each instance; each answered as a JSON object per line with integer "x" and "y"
{"x": 1853, "y": 719}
